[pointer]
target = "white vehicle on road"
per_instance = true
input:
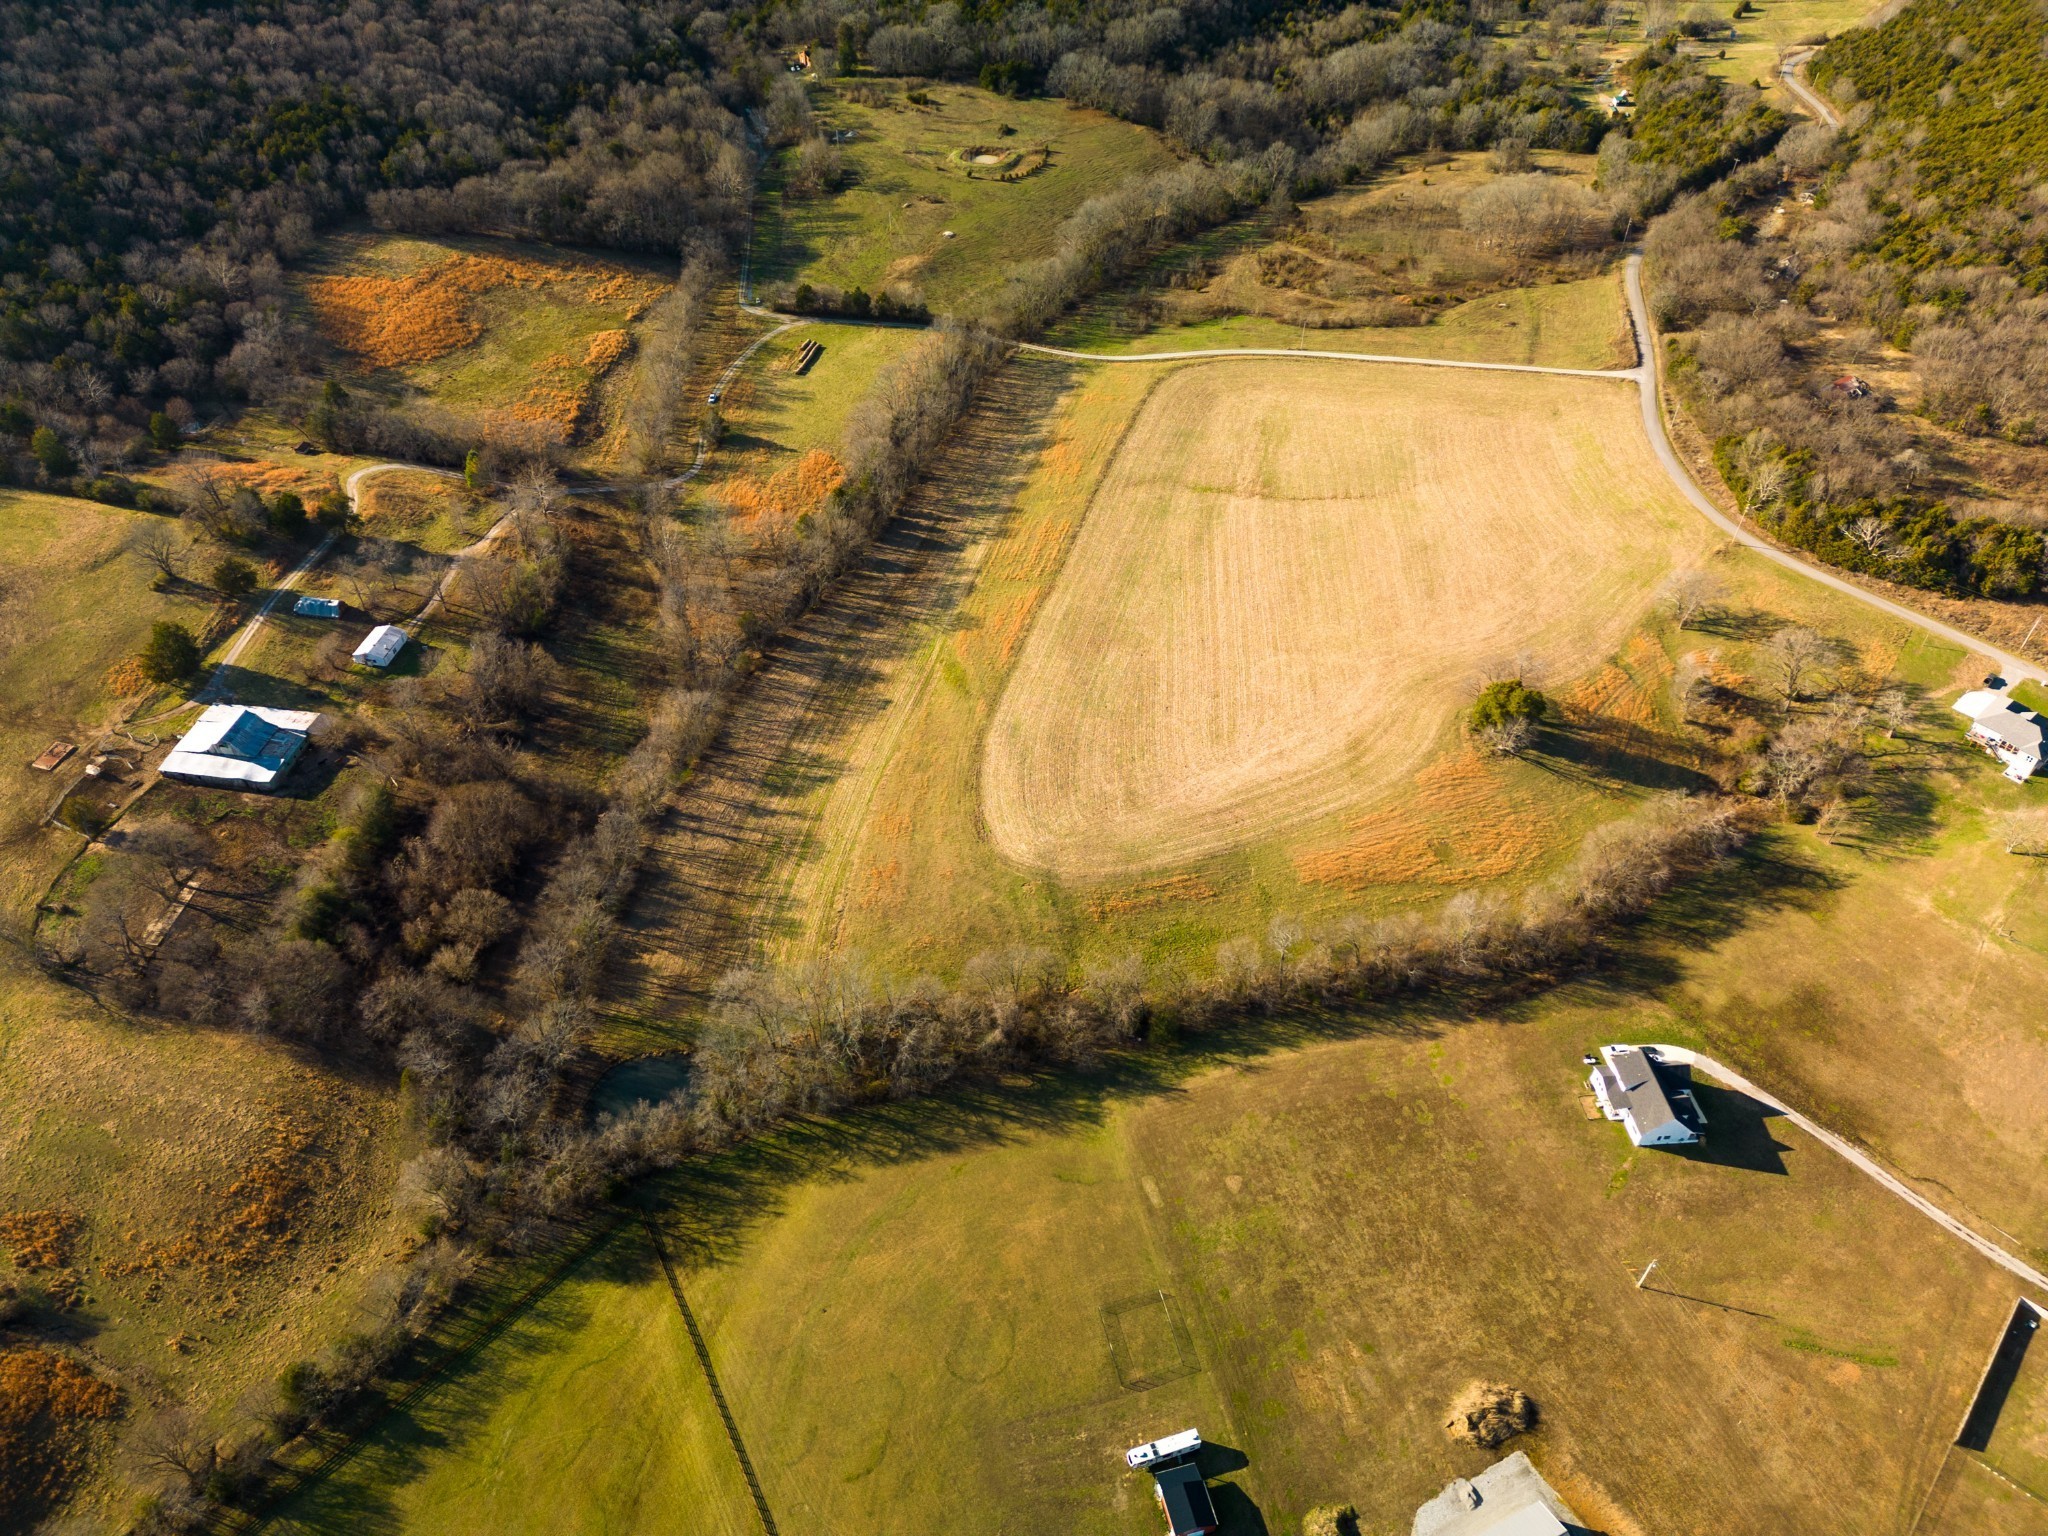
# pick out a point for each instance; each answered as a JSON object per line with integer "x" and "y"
{"x": 1171, "y": 1448}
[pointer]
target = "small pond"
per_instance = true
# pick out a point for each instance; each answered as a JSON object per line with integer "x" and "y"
{"x": 643, "y": 1080}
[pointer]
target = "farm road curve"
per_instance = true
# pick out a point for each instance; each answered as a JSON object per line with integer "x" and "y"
{"x": 1861, "y": 1160}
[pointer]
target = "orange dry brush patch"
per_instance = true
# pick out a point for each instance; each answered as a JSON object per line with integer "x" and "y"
{"x": 39, "y": 1239}
{"x": 560, "y": 392}
{"x": 788, "y": 494}
{"x": 429, "y": 312}
{"x": 1174, "y": 890}
{"x": 127, "y": 679}
{"x": 251, "y": 1218}
{"x": 48, "y": 1402}
{"x": 1461, "y": 825}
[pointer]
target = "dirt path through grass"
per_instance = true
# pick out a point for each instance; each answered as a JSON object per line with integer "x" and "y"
{"x": 703, "y": 904}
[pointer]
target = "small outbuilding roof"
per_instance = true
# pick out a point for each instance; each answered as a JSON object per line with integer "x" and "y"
{"x": 318, "y": 607}
{"x": 1510, "y": 1498}
{"x": 381, "y": 646}
{"x": 1185, "y": 1497}
{"x": 240, "y": 744}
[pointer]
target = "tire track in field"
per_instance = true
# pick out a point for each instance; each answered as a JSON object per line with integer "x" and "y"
{"x": 704, "y": 902}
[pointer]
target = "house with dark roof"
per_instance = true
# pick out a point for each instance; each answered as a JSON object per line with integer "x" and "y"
{"x": 1185, "y": 1498}
{"x": 1651, "y": 1097}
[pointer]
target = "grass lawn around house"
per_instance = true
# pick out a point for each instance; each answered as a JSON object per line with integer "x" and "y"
{"x": 954, "y": 1316}
{"x": 906, "y": 189}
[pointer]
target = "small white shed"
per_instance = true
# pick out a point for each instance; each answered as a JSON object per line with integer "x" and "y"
{"x": 381, "y": 646}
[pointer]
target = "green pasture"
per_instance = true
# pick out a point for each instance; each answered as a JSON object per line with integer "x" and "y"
{"x": 953, "y": 1316}
{"x": 906, "y": 189}
{"x": 1561, "y": 325}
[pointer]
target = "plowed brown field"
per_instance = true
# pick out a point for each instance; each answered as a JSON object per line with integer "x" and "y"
{"x": 1287, "y": 585}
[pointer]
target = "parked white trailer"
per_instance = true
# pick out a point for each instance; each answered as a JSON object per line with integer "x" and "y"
{"x": 1171, "y": 1448}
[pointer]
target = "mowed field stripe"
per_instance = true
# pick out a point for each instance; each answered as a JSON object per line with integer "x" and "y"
{"x": 1289, "y": 579}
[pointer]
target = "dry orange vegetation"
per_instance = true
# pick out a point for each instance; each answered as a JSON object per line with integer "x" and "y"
{"x": 560, "y": 393}
{"x": 39, "y": 1239}
{"x": 249, "y": 1221}
{"x": 126, "y": 679}
{"x": 1173, "y": 891}
{"x": 48, "y": 1402}
{"x": 430, "y": 312}
{"x": 1461, "y": 824}
{"x": 268, "y": 477}
{"x": 767, "y": 507}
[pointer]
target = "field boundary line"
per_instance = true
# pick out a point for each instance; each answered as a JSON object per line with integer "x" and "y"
{"x": 1863, "y": 1162}
{"x": 1650, "y": 377}
{"x": 732, "y": 1428}
{"x": 1306, "y": 352}
{"x": 488, "y": 1329}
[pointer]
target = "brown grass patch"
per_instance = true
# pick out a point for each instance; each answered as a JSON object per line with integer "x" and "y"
{"x": 1460, "y": 825}
{"x": 39, "y": 1239}
{"x": 1173, "y": 891}
{"x": 127, "y": 679}
{"x": 48, "y": 1402}
{"x": 430, "y": 312}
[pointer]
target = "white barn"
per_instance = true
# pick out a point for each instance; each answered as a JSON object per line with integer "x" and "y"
{"x": 1648, "y": 1096}
{"x": 238, "y": 746}
{"x": 381, "y": 646}
{"x": 2008, "y": 732}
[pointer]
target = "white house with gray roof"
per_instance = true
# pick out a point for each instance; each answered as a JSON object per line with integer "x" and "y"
{"x": 1651, "y": 1098}
{"x": 2007, "y": 731}
{"x": 1510, "y": 1498}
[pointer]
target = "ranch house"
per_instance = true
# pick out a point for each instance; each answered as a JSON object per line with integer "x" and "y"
{"x": 236, "y": 746}
{"x": 2009, "y": 733}
{"x": 1652, "y": 1099}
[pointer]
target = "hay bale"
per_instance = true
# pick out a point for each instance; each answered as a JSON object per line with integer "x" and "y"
{"x": 1330, "y": 1520}
{"x": 1488, "y": 1414}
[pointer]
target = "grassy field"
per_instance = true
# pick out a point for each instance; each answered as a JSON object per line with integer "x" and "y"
{"x": 1334, "y": 548}
{"x": 521, "y": 338}
{"x": 953, "y": 1317}
{"x": 921, "y": 798}
{"x": 215, "y": 1196}
{"x": 775, "y": 420}
{"x": 75, "y": 603}
{"x": 1577, "y": 324}
{"x": 907, "y": 189}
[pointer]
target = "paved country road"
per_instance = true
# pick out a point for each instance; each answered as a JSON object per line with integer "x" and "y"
{"x": 1646, "y": 375}
{"x": 1788, "y": 71}
{"x": 1863, "y": 1162}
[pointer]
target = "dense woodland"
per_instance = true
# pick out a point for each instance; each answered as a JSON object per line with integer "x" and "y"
{"x": 1916, "y": 234}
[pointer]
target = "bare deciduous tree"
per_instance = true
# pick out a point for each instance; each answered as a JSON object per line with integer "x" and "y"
{"x": 160, "y": 547}
{"x": 1794, "y": 654}
{"x": 1870, "y": 535}
{"x": 1690, "y": 595}
{"x": 2023, "y": 832}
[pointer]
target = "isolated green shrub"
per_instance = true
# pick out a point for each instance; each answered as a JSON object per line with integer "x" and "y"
{"x": 233, "y": 576}
{"x": 287, "y": 514}
{"x": 171, "y": 655}
{"x": 164, "y": 436}
{"x": 1507, "y": 702}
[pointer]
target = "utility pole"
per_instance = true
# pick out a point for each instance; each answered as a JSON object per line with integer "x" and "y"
{"x": 1645, "y": 1275}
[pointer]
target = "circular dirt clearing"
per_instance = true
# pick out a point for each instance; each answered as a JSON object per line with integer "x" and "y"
{"x": 1286, "y": 584}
